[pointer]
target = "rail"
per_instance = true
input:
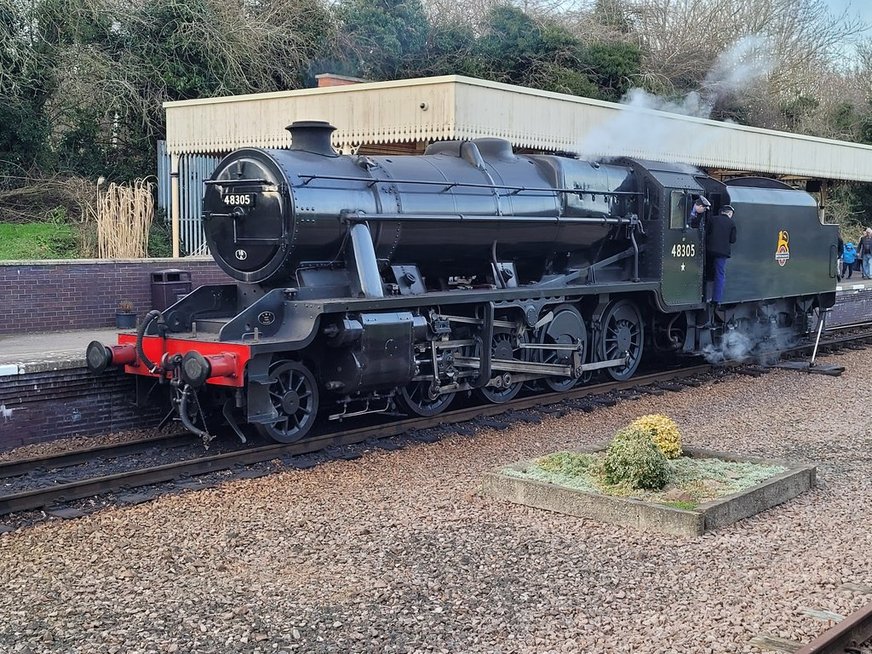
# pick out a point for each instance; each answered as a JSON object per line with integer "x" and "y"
{"x": 514, "y": 189}
{"x": 847, "y": 636}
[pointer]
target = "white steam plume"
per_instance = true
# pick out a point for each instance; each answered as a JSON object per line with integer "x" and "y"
{"x": 637, "y": 131}
{"x": 763, "y": 342}
{"x": 749, "y": 59}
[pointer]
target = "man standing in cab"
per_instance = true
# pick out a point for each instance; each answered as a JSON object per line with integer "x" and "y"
{"x": 719, "y": 239}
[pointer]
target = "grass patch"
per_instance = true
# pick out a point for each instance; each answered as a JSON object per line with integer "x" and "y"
{"x": 686, "y": 505}
{"x": 38, "y": 241}
{"x": 699, "y": 480}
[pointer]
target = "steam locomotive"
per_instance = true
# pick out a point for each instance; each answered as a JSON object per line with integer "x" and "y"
{"x": 384, "y": 284}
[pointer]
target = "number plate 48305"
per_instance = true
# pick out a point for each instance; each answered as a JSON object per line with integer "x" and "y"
{"x": 684, "y": 250}
{"x": 238, "y": 199}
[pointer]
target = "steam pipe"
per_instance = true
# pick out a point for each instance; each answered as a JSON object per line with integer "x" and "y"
{"x": 498, "y": 272}
{"x": 428, "y": 182}
{"x": 635, "y": 255}
{"x": 353, "y": 217}
{"x": 364, "y": 261}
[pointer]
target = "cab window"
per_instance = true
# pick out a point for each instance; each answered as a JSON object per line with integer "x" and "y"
{"x": 679, "y": 210}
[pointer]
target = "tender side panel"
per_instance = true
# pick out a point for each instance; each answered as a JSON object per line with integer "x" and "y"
{"x": 781, "y": 249}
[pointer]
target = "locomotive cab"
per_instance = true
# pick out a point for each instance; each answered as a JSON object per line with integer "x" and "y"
{"x": 678, "y": 256}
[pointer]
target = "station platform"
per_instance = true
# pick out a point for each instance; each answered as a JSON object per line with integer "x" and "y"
{"x": 47, "y": 392}
{"x": 855, "y": 283}
{"x": 40, "y": 352}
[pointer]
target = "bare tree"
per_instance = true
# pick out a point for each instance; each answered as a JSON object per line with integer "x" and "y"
{"x": 682, "y": 38}
{"x": 473, "y": 12}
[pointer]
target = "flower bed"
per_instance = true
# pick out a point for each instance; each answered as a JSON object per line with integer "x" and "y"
{"x": 700, "y": 494}
{"x": 690, "y": 481}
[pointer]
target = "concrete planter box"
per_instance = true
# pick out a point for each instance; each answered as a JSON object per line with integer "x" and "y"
{"x": 652, "y": 516}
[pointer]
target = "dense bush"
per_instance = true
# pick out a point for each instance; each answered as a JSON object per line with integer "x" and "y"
{"x": 664, "y": 433}
{"x": 160, "y": 237}
{"x": 633, "y": 460}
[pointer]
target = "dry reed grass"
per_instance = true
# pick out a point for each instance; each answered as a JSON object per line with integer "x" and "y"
{"x": 124, "y": 217}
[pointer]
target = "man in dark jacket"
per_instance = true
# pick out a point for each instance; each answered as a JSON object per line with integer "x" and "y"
{"x": 864, "y": 251}
{"x": 719, "y": 238}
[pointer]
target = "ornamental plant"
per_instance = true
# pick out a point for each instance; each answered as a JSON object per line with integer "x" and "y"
{"x": 664, "y": 433}
{"x": 634, "y": 460}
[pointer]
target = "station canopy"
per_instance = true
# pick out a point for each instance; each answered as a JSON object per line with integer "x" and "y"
{"x": 405, "y": 115}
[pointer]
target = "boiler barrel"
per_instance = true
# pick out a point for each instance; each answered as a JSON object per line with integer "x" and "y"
{"x": 267, "y": 212}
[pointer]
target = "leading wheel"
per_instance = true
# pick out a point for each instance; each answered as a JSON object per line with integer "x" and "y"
{"x": 415, "y": 399}
{"x": 294, "y": 395}
{"x": 566, "y": 328}
{"x": 622, "y": 334}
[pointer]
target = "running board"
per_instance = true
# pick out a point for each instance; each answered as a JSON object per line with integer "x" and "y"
{"x": 549, "y": 369}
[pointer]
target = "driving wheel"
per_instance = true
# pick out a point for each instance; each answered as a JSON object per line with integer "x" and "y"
{"x": 566, "y": 328}
{"x": 415, "y": 399}
{"x": 621, "y": 335}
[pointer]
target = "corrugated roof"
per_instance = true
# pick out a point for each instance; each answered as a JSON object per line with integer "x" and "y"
{"x": 456, "y": 107}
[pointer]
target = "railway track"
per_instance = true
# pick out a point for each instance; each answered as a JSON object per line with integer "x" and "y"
{"x": 67, "y": 459}
{"x": 849, "y": 635}
{"x": 37, "y": 498}
{"x": 41, "y": 497}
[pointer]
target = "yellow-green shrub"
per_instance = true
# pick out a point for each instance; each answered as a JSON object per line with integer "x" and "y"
{"x": 664, "y": 433}
{"x": 633, "y": 459}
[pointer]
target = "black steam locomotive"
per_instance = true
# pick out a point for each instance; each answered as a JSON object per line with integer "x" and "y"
{"x": 381, "y": 284}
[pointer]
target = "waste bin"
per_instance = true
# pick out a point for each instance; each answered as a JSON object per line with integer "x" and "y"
{"x": 168, "y": 287}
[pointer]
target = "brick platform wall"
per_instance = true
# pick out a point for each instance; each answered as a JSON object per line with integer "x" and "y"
{"x": 851, "y": 306}
{"x": 39, "y": 296}
{"x": 44, "y": 406}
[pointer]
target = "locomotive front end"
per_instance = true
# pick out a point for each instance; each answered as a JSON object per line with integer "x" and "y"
{"x": 377, "y": 284}
{"x": 258, "y": 218}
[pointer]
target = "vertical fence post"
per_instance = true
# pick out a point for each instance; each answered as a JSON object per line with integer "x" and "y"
{"x": 176, "y": 209}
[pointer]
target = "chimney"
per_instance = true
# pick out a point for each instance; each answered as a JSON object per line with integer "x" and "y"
{"x": 331, "y": 79}
{"x": 312, "y": 136}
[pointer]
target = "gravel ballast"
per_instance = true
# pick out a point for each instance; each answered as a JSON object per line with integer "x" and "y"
{"x": 398, "y": 552}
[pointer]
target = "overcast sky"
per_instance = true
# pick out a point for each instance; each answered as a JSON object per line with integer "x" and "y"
{"x": 863, "y": 8}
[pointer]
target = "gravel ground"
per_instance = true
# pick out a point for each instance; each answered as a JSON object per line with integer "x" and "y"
{"x": 398, "y": 552}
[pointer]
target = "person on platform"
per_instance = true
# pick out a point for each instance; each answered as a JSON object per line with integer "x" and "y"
{"x": 864, "y": 251}
{"x": 849, "y": 256}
